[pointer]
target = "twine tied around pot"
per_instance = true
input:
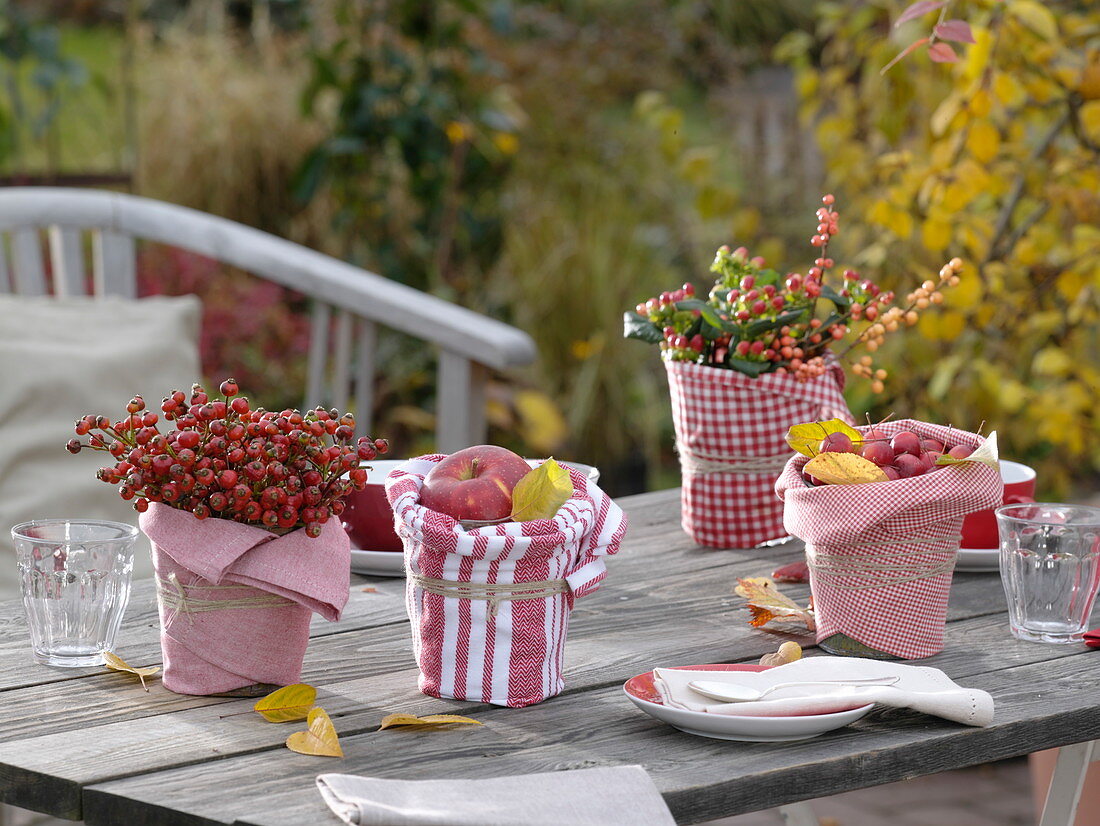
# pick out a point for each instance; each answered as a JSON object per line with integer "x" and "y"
{"x": 693, "y": 463}
{"x": 493, "y": 593}
{"x": 830, "y": 567}
{"x": 174, "y": 596}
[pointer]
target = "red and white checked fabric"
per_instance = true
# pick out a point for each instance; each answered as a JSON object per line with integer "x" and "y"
{"x": 878, "y": 594}
{"x": 511, "y": 656}
{"x": 721, "y": 414}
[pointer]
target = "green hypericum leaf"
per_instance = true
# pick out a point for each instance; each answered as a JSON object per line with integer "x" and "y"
{"x": 805, "y": 438}
{"x": 634, "y": 326}
{"x": 832, "y": 295}
{"x": 749, "y": 368}
{"x": 985, "y": 453}
{"x": 541, "y": 492}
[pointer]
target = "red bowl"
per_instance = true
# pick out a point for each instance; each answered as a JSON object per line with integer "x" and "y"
{"x": 367, "y": 516}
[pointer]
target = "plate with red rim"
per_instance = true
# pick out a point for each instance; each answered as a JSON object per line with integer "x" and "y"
{"x": 644, "y": 694}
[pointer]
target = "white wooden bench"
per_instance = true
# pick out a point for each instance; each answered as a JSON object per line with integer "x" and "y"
{"x": 349, "y": 303}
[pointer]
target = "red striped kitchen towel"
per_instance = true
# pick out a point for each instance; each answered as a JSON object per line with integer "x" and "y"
{"x": 490, "y": 607}
{"x": 731, "y": 436}
{"x": 881, "y": 555}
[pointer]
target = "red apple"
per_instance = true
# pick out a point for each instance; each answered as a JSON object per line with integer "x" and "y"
{"x": 475, "y": 483}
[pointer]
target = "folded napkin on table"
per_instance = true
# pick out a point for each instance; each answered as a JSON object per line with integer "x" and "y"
{"x": 920, "y": 688}
{"x": 583, "y": 797}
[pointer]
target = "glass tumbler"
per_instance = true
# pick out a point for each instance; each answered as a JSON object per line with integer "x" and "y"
{"x": 75, "y": 579}
{"x": 1050, "y": 569}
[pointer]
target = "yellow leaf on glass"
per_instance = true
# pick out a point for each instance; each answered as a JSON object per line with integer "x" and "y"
{"x": 844, "y": 469}
{"x": 391, "y": 720}
{"x": 541, "y": 493}
{"x": 116, "y": 663}
{"x": 983, "y": 141}
{"x": 805, "y": 438}
{"x": 766, "y": 604}
{"x": 318, "y": 739}
{"x": 291, "y": 702}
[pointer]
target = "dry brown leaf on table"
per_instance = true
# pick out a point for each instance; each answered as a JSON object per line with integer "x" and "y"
{"x": 319, "y": 739}
{"x": 788, "y": 652}
{"x": 768, "y": 605}
{"x": 391, "y": 720}
{"x": 116, "y": 663}
{"x": 291, "y": 702}
{"x": 369, "y": 590}
{"x": 844, "y": 469}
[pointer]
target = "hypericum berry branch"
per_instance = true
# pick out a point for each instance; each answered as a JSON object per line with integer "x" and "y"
{"x": 277, "y": 470}
{"x": 755, "y": 320}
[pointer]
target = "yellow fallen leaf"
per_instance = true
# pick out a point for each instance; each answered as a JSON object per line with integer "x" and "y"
{"x": 116, "y": 663}
{"x": 291, "y": 702}
{"x": 805, "y": 438}
{"x": 540, "y": 493}
{"x": 319, "y": 739}
{"x": 986, "y": 453}
{"x": 844, "y": 469}
{"x": 391, "y": 720}
{"x": 788, "y": 652}
{"x": 766, "y": 604}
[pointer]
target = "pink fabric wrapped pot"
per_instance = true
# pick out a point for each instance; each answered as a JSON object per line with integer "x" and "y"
{"x": 881, "y": 555}
{"x": 731, "y": 436}
{"x": 235, "y": 600}
{"x": 490, "y": 607}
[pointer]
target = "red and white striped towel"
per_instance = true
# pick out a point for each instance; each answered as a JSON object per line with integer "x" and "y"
{"x": 511, "y": 656}
{"x": 885, "y": 587}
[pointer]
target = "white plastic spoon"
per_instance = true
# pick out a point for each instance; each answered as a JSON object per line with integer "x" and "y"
{"x": 735, "y": 693}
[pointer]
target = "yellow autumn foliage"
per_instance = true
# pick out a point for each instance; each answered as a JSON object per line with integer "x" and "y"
{"x": 995, "y": 159}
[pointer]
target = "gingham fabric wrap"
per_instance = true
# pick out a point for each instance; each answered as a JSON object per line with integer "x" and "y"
{"x": 905, "y": 619}
{"x": 722, "y": 413}
{"x": 512, "y": 658}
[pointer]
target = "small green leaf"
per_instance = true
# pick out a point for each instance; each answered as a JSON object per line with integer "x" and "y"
{"x": 749, "y": 368}
{"x": 541, "y": 493}
{"x": 805, "y": 438}
{"x": 986, "y": 453}
{"x": 635, "y": 326}
{"x": 840, "y": 301}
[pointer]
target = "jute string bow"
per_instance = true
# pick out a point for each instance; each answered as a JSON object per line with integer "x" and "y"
{"x": 694, "y": 463}
{"x": 493, "y": 593}
{"x": 177, "y": 597}
{"x": 838, "y": 570}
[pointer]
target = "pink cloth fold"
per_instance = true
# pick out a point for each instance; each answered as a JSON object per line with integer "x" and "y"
{"x": 270, "y": 586}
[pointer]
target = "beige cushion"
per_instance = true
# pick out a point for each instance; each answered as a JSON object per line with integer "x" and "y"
{"x": 59, "y": 360}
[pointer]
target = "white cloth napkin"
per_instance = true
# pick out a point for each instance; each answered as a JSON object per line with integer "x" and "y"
{"x": 582, "y": 797}
{"x": 923, "y": 689}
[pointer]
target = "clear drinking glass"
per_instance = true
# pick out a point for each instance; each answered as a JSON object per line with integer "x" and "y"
{"x": 75, "y": 578}
{"x": 1050, "y": 569}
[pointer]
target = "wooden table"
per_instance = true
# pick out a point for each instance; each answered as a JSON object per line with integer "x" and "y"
{"x": 89, "y": 743}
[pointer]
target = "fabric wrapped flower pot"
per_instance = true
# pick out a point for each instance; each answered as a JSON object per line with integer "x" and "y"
{"x": 881, "y": 554}
{"x": 731, "y": 437}
{"x": 490, "y": 607}
{"x": 236, "y": 600}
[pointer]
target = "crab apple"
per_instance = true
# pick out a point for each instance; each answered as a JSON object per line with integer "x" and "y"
{"x": 878, "y": 452}
{"x": 906, "y": 442}
{"x": 908, "y": 465}
{"x": 960, "y": 452}
{"x": 836, "y": 443}
{"x": 891, "y": 473}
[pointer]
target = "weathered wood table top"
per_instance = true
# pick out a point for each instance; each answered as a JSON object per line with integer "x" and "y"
{"x": 86, "y": 743}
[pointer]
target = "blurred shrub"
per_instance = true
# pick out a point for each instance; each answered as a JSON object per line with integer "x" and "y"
{"x": 996, "y": 159}
{"x": 221, "y": 130}
{"x": 419, "y": 146}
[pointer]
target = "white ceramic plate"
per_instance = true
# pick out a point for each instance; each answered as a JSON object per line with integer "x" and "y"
{"x": 378, "y": 563}
{"x": 978, "y": 560}
{"x": 643, "y": 694}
